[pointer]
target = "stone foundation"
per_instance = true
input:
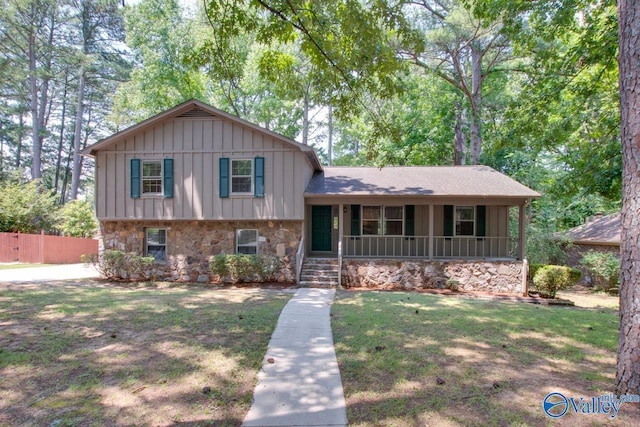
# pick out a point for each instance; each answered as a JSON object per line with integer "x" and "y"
{"x": 192, "y": 244}
{"x": 488, "y": 276}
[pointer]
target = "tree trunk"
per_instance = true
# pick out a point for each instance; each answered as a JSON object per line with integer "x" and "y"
{"x": 75, "y": 178}
{"x": 62, "y": 127}
{"x": 476, "y": 105}
{"x": 36, "y": 167}
{"x": 460, "y": 141}
{"x": 305, "y": 118}
{"x": 628, "y": 367}
{"x": 19, "y": 141}
{"x": 330, "y": 143}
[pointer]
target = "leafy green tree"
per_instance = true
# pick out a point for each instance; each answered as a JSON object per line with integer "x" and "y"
{"x": 25, "y": 208}
{"x": 160, "y": 40}
{"x": 77, "y": 219}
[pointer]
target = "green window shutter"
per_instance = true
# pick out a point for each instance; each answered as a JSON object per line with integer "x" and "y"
{"x": 135, "y": 178}
{"x": 167, "y": 178}
{"x": 224, "y": 177}
{"x": 258, "y": 184}
{"x": 409, "y": 220}
{"x": 481, "y": 220}
{"x": 355, "y": 220}
{"x": 448, "y": 220}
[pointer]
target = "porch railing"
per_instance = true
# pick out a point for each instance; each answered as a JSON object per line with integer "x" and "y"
{"x": 419, "y": 247}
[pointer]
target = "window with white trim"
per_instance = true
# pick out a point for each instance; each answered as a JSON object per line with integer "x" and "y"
{"x": 247, "y": 242}
{"x": 156, "y": 243}
{"x": 371, "y": 220}
{"x": 465, "y": 220}
{"x": 241, "y": 176}
{"x": 151, "y": 177}
{"x": 382, "y": 220}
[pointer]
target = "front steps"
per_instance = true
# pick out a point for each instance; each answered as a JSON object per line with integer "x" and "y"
{"x": 319, "y": 273}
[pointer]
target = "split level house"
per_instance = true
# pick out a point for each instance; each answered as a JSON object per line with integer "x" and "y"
{"x": 194, "y": 182}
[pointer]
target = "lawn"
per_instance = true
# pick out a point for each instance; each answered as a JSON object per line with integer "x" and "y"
{"x": 97, "y": 354}
{"x": 411, "y": 359}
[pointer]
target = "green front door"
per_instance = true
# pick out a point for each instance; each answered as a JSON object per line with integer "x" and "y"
{"x": 321, "y": 228}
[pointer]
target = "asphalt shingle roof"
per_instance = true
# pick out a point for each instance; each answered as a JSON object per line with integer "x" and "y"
{"x": 604, "y": 229}
{"x": 417, "y": 181}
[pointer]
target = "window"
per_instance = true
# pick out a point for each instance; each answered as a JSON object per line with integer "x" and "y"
{"x": 156, "y": 243}
{"x": 371, "y": 218}
{"x": 382, "y": 220}
{"x": 241, "y": 176}
{"x": 393, "y": 220}
{"x": 247, "y": 242}
{"x": 152, "y": 177}
{"x": 465, "y": 219}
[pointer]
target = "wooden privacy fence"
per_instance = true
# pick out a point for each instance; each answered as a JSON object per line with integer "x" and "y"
{"x": 40, "y": 248}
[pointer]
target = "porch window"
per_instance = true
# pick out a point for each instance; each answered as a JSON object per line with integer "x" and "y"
{"x": 156, "y": 243}
{"x": 247, "y": 242}
{"x": 371, "y": 220}
{"x": 241, "y": 176}
{"x": 465, "y": 220}
{"x": 393, "y": 217}
{"x": 382, "y": 220}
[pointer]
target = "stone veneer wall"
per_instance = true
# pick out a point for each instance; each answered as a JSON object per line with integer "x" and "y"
{"x": 192, "y": 244}
{"x": 489, "y": 276}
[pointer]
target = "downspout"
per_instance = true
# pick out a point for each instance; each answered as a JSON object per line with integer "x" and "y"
{"x": 300, "y": 258}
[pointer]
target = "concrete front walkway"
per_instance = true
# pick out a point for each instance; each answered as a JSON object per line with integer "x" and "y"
{"x": 299, "y": 383}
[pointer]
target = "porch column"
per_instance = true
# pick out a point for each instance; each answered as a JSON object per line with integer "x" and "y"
{"x": 431, "y": 231}
{"x": 340, "y": 239}
{"x": 522, "y": 226}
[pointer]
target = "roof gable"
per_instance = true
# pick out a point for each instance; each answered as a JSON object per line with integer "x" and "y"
{"x": 445, "y": 181}
{"x": 196, "y": 109}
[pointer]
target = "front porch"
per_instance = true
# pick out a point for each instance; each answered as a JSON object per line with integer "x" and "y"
{"x": 387, "y": 229}
{"x": 430, "y": 247}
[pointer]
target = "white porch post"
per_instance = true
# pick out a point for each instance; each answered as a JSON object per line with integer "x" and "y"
{"x": 522, "y": 226}
{"x": 431, "y": 231}
{"x": 340, "y": 239}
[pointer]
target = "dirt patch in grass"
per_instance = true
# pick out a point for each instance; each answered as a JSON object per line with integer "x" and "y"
{"x": 413, "y": 359}
{"x": 82, "y": 353}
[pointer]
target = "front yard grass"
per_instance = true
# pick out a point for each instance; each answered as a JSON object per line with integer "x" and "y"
{"x": 95, "y": 354}
{"x": 411, "y": 359}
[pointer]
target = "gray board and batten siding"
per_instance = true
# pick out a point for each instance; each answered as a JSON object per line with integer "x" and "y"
{"x": 195, "y": 140}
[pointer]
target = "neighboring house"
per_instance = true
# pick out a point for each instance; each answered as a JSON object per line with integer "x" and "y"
{"x": 600, "y": 233}
{"x": 194, "y": 182}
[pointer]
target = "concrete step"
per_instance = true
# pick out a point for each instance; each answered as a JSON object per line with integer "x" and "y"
{"x": 317, "y": 277}
{"x": 327, "y": 285}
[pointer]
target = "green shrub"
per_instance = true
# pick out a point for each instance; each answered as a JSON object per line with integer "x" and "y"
{"x": 244, "y": 268}
{"x": 118, "y": 265}
{"x": 604, "y": 269}
{"x": 550, "y": 278}
{"x": 453, "y": 285}
{"x": 26, "y": 208}
{"x": 78, "y": 220}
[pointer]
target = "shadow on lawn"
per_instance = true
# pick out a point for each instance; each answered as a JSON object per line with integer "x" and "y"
{"x": 117, "y": 356}
{"x": 410, "y": 359}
